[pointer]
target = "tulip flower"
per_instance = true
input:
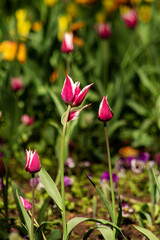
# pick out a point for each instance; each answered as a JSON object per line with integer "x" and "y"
{"x": 16, "y": 84}
{"x": 71, "y": 93}
{"x": 67, "y": 43}
{"x": 33, "y": 164}
{"x": 105, "y": 113}
{"x": 74, "y": 114}
{"x": 25, "y": 203}
{"x": 104, "y": 30}
{"x": 27, "y": 120}
{"x": 130, "y": 18}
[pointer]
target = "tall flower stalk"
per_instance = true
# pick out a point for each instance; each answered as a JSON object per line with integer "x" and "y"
{"x": 62, "y": 175}
{"x": 73, "y": 97}
{"x": 105, "y": 114}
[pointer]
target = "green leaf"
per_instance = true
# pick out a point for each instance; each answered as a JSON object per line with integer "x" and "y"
{"x": 156, "y": 180}
{"x": 15, "y": 189}
{"x": 106, "y": 202}
{"x": 25, "y": 215}
{"x": 56, "y": 100}
{"x": 106, "y": 232}
{"x": 146, "y": 233}
{"x": 75, "y": 221}
{"x": 55, "y": 234}
{"x": 139, "y": 109}
{"x": 50, "y": 187}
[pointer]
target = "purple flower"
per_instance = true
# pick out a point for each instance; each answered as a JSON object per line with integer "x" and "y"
{"x": 1, "y": 154}
{"x": 105, "y": 113}
{"x": 33, "y": 164}
{"x": 144, "y": 156}
{"x": 25, "y": 203}
{"x": 126, "y": 210}
{"x": 36, "y": 181}
{"x": 67, "y": 181}
{"x": 70, "y": 162}
{"x": 105, "y": 177}
{"x": 137, "y": 166}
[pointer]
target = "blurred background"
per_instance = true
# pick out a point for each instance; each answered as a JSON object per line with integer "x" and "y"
{"x": 116, "y": 47}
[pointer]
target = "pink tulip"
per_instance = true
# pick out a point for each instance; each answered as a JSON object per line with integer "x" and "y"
{"x": 67, "y": 43}
{"x": 16, "y": 84}
{"x": 71, "y": 93}
{"x": 130, "y": 18}
{"x": 74, "y": 114}
{"x": 105, "y": 113}
{"x": 104, "y": 30}
{"x": 33, "y": 164}
{"x": 25, "y": 203}
{"x": 27, "y": 120}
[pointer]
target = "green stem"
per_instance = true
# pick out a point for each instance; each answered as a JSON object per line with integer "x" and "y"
{"x": 33, "y": 210}
{"x": 110, "y": 172}
{"x": 44, "y": 237}
{"x": 62, "y": 176}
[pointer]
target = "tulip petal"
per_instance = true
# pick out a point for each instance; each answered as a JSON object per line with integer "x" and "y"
{"x": 68, "y": 90}
{"x": 25, "y": 203}
{"x": 78, "y": 99}
{"x": 74, "y": 114}
{"x": 33, "y": 164}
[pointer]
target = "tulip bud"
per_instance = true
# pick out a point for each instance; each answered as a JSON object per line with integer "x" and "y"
{"x": 104, "y": 30}
{"x": 33, "y": 164}
{"x": 67, "y": 43}
{"x": 25, "y": 203}
{"x": 130, "y": 18}
{"x": 16, "y": 84}
{"x": 27, "y": 120}
{"x": 105, "y": 113}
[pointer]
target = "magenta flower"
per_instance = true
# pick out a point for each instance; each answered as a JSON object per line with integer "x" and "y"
{"x": 73, "y": 115}
{"x": 27, "y": 120}
{"x": 130, "y": 18}
{"x": 105, "y": 177}
{"x": 71, "y": 93}
{"x": 33, "y": 164}
{"x": 67, "y": 181}
{"x": 104, "y": 30}
{"x": 25, "y": 203}
{"x": 105, "y": 113}
{"x": 67, "y": 43}
{"x": 16, "y": 84}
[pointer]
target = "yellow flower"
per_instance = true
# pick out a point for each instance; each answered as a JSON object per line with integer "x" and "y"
{"x": 124, "y": 9}
{"x": 54, "y": 76}
{"x": 63, "y": 24}
{"x": 109, "y": 5}
{"x": 145, "y": 13}
{"x": 21, "y": 54}
{"x": 128, "y": 151}
{"x": 37, "y": 26}
{"x": 100, "y": 17}
{"x": 10, "y": 52}
{"x": 23, "y": 25}
{"x": 85, "y": 1}
{"x": 50, "y": 3}
{"x": 72, "y": 10}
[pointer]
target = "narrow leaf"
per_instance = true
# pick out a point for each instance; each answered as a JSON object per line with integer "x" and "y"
{"x": 75, "y": 221}
{"x": 106, "y": 232}
{"x": 50, "y": 187}
{"x": 156, "y": 180}
{"x": 146, "y": 233}
{"x": 106, "y": 202}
